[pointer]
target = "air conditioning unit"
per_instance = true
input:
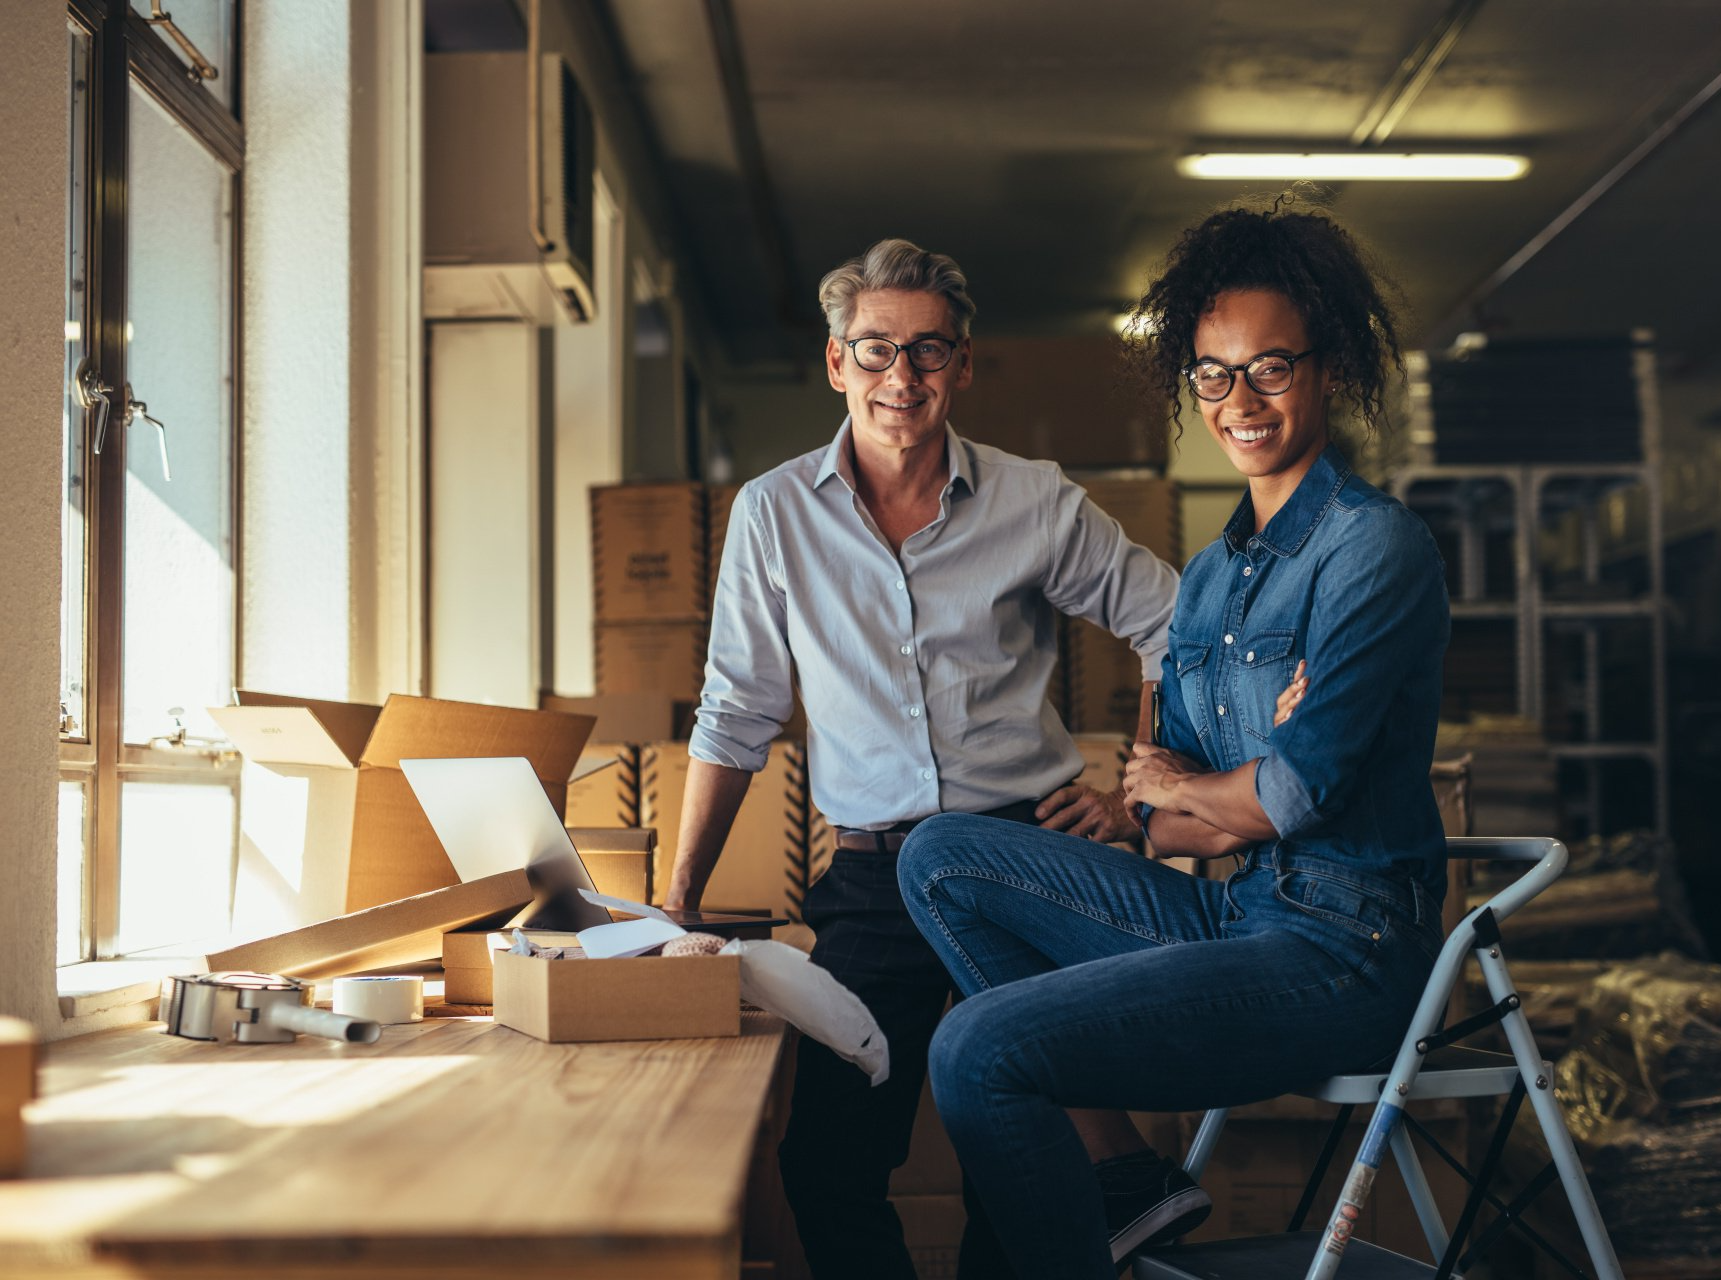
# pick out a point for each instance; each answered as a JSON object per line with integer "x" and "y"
{"x": 488, "y": 252}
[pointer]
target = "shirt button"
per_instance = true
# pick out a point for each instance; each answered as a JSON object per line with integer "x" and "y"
{"x": 907, "y": 648}
{"x": 915, "y": 712}
{"x": 1228, "y": 639}
{"x": 1250, "y": 656}
{"x": 1221, "y": 708}
{"x": 926, "y": 775}
{"x": 900, "y": 584}
{"x": 1247, "y": 570}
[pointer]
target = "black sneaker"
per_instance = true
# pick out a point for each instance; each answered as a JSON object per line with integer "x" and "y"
{"x": 1149, "y": 1200}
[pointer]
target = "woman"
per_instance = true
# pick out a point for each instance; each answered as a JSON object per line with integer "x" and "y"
{"x": 1097, "y": 979}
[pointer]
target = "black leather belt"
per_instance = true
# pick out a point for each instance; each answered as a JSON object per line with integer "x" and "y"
{"x": 889, "y": 840}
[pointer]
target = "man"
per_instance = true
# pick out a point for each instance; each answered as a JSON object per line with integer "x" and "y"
{"x": 906, "y": 580}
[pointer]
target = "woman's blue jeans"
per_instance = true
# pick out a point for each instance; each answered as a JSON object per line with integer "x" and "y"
{"x": 1099, "y": 979}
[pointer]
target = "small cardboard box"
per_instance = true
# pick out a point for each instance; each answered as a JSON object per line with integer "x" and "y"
{"x": 621, "y": 861}
{"x": 649, "y": 556}
{"x": 328, "y": 821}
{"x": 395, "y": 933}
{"x": 932, "y": 1227}
{"x": 18, "y": 1055}
{"x": 643, "y": 657}
{"x": 638, "y": 998}
{"x": 766, "y": 861}
{"x": 466, "y": 960}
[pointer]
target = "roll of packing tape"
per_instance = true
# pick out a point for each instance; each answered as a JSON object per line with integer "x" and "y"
{"x": 385, "y": 999}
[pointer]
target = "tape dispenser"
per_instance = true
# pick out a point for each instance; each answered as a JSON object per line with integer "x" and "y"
{"x": 254, "y": 1008}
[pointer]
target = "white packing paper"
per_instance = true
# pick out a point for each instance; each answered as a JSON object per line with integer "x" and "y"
{"x": 783, "y": 980}
{"x": 627, "y": 938}
{"x": 623, "y": 905}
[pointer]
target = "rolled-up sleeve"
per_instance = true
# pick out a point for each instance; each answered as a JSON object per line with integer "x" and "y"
{"x": 1099, "y": 574}
{"x": 1378, "y": 617}
{"x": 748, "y": 691}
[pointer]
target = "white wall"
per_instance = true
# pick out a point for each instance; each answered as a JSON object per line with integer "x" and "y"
{"x": 297, "y": 503}
{"x": 33, "y": 151}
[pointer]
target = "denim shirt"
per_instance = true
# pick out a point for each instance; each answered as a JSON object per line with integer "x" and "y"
{"x": 1349, "y": 580}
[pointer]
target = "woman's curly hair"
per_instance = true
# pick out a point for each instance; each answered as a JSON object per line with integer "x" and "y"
{"x": 1305, "y": 255}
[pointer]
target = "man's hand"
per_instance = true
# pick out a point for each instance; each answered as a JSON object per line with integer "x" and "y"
{"x": 1292, "y": 695}
{"x": 1082, "y": 811}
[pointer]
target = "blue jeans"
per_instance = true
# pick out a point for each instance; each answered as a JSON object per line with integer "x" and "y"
{"x": 1099, "y": 979}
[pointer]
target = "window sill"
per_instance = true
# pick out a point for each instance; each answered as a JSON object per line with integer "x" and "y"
{"x": 98, "y": 986}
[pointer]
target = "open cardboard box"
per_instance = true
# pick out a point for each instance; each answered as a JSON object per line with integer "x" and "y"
{"x": 328, "y": 823}
{"x": 636, "y": 998}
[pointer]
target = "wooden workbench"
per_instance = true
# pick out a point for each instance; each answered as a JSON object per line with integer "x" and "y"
{"x": 453, "y": 1147}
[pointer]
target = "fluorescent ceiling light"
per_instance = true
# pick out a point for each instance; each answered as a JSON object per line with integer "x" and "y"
{"x": 1376, "y": 166}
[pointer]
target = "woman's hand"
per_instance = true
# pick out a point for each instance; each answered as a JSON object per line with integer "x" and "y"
{"x": 1153, "y": 773}
{"x": 1292, "y": 695}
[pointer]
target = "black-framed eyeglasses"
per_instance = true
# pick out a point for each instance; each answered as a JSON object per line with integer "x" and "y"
{"x": 1268, "y": 374}
{"x": 928, "y": 355}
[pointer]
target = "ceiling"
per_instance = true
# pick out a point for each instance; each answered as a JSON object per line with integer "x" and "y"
{"x": 1035, "y": 142}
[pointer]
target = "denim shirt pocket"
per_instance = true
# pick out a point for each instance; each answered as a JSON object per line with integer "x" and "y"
{"x": 1192, "y": 673}
{"x": 1264, "y": 665}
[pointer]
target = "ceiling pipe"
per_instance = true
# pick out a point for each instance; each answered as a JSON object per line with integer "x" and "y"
{"x": 1413, "y": 75}
{"x": 768, "y": 222}
{"x": 1572, "y": 212}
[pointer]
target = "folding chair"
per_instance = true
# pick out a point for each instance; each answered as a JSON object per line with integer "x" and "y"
{"x": 1428, "y": 1065}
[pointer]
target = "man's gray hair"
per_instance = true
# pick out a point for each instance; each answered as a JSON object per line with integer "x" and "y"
{"x": 895, "y": 264}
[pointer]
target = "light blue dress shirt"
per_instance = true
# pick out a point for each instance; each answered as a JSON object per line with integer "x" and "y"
{"x": 923, "y": 673}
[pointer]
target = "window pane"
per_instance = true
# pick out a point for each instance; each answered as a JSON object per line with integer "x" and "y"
{"x": 74, "y": 801}
{"x": 208, "y": 24}
{"x": 74, "y": 514}
{"x": 179, "y": 579}
{"x": 176, "y": 863}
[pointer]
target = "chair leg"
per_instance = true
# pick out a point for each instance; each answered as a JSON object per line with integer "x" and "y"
{"x": 1206, "y": 1138}
{"x": 1547, "y": 1108}
{"x": 1313, "y": 1185}
{"x": 1421, "y": 1194}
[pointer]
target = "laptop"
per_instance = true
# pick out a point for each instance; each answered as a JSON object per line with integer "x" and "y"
{"x": 492, "y": 815}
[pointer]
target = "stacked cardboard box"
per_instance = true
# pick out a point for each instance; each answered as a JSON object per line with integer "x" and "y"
{"x": 18, "y": 1052}
{"x": 1102, "y": 674}
{"x": 1062, "y": 398}
{"x": 767, "y": 861}
{"x": 650, "y": 587}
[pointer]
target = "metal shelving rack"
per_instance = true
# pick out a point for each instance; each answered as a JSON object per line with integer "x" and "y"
{"x": 1463, "y": 491}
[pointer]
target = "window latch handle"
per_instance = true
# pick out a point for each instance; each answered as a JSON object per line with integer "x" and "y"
{"x": 138, "y": 409}
{"x": 92, "y": 394}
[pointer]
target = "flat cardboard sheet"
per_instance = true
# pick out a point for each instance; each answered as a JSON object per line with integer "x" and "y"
{"x": 395, "y": 933}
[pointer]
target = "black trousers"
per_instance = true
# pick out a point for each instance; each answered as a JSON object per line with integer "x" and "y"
{"x": 844, "y": 1137}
